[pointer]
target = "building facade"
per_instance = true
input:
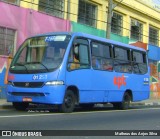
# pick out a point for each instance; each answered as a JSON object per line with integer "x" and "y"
{"x": 135, "y": 22}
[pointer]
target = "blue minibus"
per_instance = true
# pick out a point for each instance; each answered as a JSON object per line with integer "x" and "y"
{"x": 71, "y": 69}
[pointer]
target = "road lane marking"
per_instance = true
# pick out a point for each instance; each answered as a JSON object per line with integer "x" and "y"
{"x": 74, "y": 113}
{"x": 103, "y": 111}
{"x": 16, "y": 116}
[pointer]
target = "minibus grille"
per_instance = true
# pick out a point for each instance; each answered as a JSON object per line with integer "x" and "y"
{"x": 27, "y": 94}
{"x": 28, "y": 84}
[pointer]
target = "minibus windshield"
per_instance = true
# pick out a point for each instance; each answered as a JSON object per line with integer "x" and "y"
{"x": 40, "y": 54}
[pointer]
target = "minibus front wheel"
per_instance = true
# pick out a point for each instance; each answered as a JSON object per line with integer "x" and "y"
{"x": 68, "y": 104}
{"x": 21, "y": 106}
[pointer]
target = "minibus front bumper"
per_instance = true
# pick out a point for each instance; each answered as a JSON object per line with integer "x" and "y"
{"x": 48, "y": 94}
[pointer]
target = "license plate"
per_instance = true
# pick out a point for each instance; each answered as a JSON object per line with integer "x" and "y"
{"x": 26, "y": 99}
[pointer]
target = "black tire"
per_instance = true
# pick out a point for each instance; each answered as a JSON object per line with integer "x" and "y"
{"x": 125, "y": 104}
{"x": 20, "y": 106}
{"x": 68, "y": 102}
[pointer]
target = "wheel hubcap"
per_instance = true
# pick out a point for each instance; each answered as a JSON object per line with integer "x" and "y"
{"x": 68, "y": 101}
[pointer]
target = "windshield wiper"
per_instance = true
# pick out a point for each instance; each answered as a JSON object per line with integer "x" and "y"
{"x": 42, "y": 65}
{"x": 20, "y": 64}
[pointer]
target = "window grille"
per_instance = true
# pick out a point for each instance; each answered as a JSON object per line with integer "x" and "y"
{"x": 52, "y": 7}
{"x": 136, "y": 30}
{"x": 116, "y": 24}
{"x": 7, "y": 41}
{"x": 16, "y": 2}
{"x": 87, "y": 13}
{"x": 153, "y": 36}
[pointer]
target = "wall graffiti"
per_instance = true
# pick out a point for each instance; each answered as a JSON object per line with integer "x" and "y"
{"x": 154, "y": 80}
{"x": 3, "y": 67}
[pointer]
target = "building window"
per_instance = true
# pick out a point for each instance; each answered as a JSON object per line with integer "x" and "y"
{"x": 53, "y": 7}
{"x": 12, "y": 1}
{"x": 116, "y": 24}
{"x": 87, "y": 13}
{"x": 7, "y": 41}
{"x": 136, "y": 30}
{"x": 153, "y": 36}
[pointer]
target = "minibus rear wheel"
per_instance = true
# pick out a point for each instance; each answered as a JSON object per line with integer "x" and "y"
{"x": 21, "y": 106}
{"x": 124, "y": 105}
{"x": 126, "y": 101}
{"x": 68, "y": 104}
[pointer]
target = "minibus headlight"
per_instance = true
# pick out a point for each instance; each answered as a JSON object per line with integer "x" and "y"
{"x": 55, "y": 83}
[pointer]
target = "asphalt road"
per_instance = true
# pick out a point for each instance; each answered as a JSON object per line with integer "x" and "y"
{"x": 136, "y": 118}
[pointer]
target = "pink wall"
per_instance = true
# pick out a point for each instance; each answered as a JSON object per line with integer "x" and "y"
{"x": 27, "y": 23}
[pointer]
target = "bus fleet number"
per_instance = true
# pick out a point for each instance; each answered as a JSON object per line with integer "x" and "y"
{"x": 39, "y": 77}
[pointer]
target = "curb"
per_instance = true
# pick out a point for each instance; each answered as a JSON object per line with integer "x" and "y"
{"x": 9, "y": 106}
{"x": 145, "y": 103}
{"x": 135, "y": 104}
{"x": 152, "y": 104}
{"x": 6, "y": 107}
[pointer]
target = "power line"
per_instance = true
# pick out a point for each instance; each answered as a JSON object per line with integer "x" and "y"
{"x": 49, "y": 7}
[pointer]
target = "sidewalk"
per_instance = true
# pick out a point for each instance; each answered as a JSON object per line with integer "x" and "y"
{"x": 150, "y": 102}
{"x": 5, "y": 105}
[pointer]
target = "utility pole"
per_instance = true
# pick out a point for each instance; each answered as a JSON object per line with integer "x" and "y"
{"x": 111, "y": 6}
{"x": 68, "y": 10}
{"x": 109, "y": 19}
